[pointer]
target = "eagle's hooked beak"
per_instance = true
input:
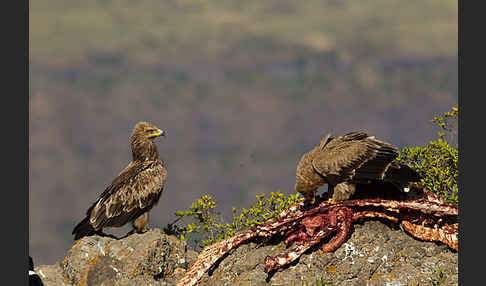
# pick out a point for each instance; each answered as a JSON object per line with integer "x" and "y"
{"x": 158, "y": 132}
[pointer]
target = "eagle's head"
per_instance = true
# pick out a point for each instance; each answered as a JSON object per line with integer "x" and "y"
{"x": 142, "y": 138}
{"x": 146, "y": 130}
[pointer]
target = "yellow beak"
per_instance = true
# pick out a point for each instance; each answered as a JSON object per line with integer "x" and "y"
{"x": 158, "y": 132}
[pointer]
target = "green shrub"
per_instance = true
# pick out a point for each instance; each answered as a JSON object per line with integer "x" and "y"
{"x": 202, "y": 220}
{"x": 437, "y": 162}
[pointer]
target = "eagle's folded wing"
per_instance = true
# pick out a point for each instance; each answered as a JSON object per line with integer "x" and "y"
{"x": 338, "y": 162}
{"x": 137, "y": 188}
{"x": 354, "y": 156}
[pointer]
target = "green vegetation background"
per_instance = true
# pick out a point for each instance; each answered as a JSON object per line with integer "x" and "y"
{"x": 243, "y": 88}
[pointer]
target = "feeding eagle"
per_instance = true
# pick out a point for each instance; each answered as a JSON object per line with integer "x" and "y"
{"x": 133, "y": 192}
{"x": 344, "y": 161}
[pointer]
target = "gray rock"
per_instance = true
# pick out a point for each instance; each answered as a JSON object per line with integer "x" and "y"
{"x": 152, "y": 258}
{"x": 52, "y": 275}
{"x": 374, "y": 254}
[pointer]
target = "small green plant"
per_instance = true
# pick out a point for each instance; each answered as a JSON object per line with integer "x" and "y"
{"x": 414, "y": 283}
{"x": 448, "y": 124}
{"x": 322, "y": 282}
{"x": 437, "y": 162}
{"x": 205, "y": 221}
{"x": 202, "y": 220}
{"x": 439, "y": 277}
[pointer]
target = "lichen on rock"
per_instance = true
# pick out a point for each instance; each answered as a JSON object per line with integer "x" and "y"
{"x": 152, "y": 258}
{"x": 376, "y": 253}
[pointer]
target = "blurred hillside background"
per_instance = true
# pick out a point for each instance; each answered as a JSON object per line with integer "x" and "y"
{"x": 243, "y": 89}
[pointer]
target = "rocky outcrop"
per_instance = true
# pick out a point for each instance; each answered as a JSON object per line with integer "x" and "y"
{"x": 152, "y": 258}
{"x": 375, "y": 254}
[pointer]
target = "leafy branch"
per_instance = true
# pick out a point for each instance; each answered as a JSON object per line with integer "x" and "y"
{"x": 202, "y": 219}
{"x": 437, "y": 162}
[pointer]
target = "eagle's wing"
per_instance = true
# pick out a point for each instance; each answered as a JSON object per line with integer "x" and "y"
{"x": 134, "y": 191}
{"x": 354, "y": 155}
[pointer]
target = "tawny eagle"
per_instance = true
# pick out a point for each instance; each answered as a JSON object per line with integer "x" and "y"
{"x": 134, "y": 192}
{"x": 344, "y": 161}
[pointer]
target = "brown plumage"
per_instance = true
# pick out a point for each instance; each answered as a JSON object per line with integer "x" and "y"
{"x": 344, "y": 161}
{"x": 133, "y": 192}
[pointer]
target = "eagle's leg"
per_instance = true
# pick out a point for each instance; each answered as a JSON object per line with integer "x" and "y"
{"x": 343, "y": 191}
{"x": 330, "y": 191}
{"x": 140, "y": 223}
{"x": 310, "y": 197}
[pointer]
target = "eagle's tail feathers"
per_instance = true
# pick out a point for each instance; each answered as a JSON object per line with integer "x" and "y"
{"x": 401, "y": 173}
{"x": 83, "y": 229}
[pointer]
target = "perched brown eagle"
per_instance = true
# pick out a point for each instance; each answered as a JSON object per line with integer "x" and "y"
{"x": 344, "y": 161}
{"x": 133, "y": 192}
